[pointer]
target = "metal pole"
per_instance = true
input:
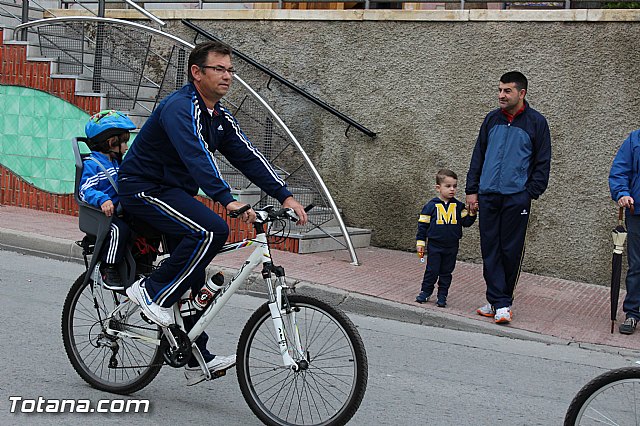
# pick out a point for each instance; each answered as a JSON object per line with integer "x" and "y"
{"x": 96, "y": 84}
{"x": 25, "y": 18}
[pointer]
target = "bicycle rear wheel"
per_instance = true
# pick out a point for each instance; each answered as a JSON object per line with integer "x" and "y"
{"x": 108, "y": 360}
{"x": 612, "y": 398}
{"x": 328, "y": 392}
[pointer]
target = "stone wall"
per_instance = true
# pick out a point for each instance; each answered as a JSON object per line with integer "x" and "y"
{"x": 423, "y": 81}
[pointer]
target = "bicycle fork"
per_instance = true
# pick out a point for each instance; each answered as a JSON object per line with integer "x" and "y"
{"x": 286, "y": 329}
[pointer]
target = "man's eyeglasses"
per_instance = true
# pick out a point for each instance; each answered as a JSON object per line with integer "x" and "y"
{"x": 218, "y": 69}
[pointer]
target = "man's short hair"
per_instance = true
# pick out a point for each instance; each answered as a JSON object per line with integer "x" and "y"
{"x": 445, "y": 173}
{"x": 199, "y": 54}
{"x": 515, "y": 77}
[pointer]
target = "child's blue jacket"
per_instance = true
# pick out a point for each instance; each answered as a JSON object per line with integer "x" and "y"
{"x": 95, "y": 187}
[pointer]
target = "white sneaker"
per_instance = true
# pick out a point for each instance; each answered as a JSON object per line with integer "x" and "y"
{"x": 486, "y": 310}
{"x": 503, "y": 315}
{"x": 195, "y": 375}
{"x": 153, "y": 311}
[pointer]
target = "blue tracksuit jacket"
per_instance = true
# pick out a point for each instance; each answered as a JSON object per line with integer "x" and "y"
{"x": 95, "y": 187}
{"x": 509, "y": 158}
{"x": 625, "y": 170}
{"x": 176, "y": 146}
{"x": 442, "y": 223}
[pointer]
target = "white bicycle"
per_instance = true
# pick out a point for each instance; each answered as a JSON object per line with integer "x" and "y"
{"x": 300, "y": 361}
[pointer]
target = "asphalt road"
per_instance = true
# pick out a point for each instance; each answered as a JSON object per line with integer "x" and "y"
{"x": 417, "y": 374}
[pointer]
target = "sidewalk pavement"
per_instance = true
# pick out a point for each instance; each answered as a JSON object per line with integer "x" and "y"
{"x": 385, "y": 285}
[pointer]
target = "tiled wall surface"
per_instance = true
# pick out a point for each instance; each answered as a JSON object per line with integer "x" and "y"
{"x": 36, "y": 129}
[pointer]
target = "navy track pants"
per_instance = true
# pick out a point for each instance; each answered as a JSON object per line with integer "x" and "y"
{"x": 441, "y": 262}
{"x": 503, "y": 228}
{"x": 195, "y": 235}
{"x": 113, "y": 252}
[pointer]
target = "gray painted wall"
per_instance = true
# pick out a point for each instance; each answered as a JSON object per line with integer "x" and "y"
{"x": 425, "y": 86}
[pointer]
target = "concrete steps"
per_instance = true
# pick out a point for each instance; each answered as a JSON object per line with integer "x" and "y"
{"x": 330, "y": 239}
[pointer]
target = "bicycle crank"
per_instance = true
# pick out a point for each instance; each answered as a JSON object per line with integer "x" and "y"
{"x": 176, "y": 349}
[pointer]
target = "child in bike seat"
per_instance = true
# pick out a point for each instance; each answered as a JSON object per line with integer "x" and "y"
{"x": 108, "y": 134}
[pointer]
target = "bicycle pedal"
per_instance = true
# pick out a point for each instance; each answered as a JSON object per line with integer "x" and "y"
{"x": 146, "y": 319}
{"x": 218, "y": 374}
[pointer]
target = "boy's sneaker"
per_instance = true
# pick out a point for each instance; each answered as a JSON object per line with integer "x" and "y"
{"x": 486, "y": 311}
{"x": 628, "y": 326}
{"x": 111, "y": 278}
{"x": 441, "y": 302}
{"x": 153, "y": 311}
{"x": 503, "y": 315}
{"x": 195, "y": 375}
{"x": 423, "y": 297}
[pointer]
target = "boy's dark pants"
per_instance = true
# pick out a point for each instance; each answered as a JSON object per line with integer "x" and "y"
{"x": 118, "y": 238}
{"x": 441, "y": 262}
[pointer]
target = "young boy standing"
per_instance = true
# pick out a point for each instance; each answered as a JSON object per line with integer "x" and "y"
{"x": 439, "y": 230}
{"x": 108, "y": 134}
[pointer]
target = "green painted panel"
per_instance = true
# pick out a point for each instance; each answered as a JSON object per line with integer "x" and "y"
{"x": 36, "y": 129}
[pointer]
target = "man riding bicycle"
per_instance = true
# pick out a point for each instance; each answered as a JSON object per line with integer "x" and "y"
{"x": 173, "y": 156}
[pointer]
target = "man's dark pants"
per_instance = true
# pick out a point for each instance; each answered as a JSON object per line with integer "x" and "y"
{"x": 503, "y": 228}
{"x": 631, "y": 305}
{"x": 195, "y": 234}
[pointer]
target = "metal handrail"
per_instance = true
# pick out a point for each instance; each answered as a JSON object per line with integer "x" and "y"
{"x": 114, "y": 21}
{"x": 95, "y": 85}
{"x": 284, "y": 81}
{"x": 149, "y": 15}
{"x": 332, "y": 203}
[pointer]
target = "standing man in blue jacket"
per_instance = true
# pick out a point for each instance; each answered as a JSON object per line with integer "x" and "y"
{"x": 509, "y": 167}
{"x": 173, "y": 156}
{"x": 625, "y": 189}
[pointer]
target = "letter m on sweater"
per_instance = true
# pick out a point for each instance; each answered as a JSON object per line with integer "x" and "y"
{"x": 447, "y": 216}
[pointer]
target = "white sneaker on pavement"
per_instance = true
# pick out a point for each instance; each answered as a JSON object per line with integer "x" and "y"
{"x": 153, "y": 311}
{"x": 486, "y": 310}
{"x": 195, "y": 375}
{"x": 503, "y": 315}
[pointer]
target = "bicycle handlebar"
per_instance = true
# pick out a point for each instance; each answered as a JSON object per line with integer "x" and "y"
{"x": 267, "y": 213}
{"x": 237, "y": 213}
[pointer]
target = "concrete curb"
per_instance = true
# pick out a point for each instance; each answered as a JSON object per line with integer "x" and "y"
{"x": 40, "y": 245}
{"x": 67, "y": 250}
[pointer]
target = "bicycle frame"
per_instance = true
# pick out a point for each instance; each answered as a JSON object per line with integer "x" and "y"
{"x": 288, "y": 345}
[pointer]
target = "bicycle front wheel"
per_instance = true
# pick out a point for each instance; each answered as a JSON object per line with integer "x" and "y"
{"x": 97, "y": 325}
{"x": 612, "y": 398}
{"x": 328, "y": 392}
